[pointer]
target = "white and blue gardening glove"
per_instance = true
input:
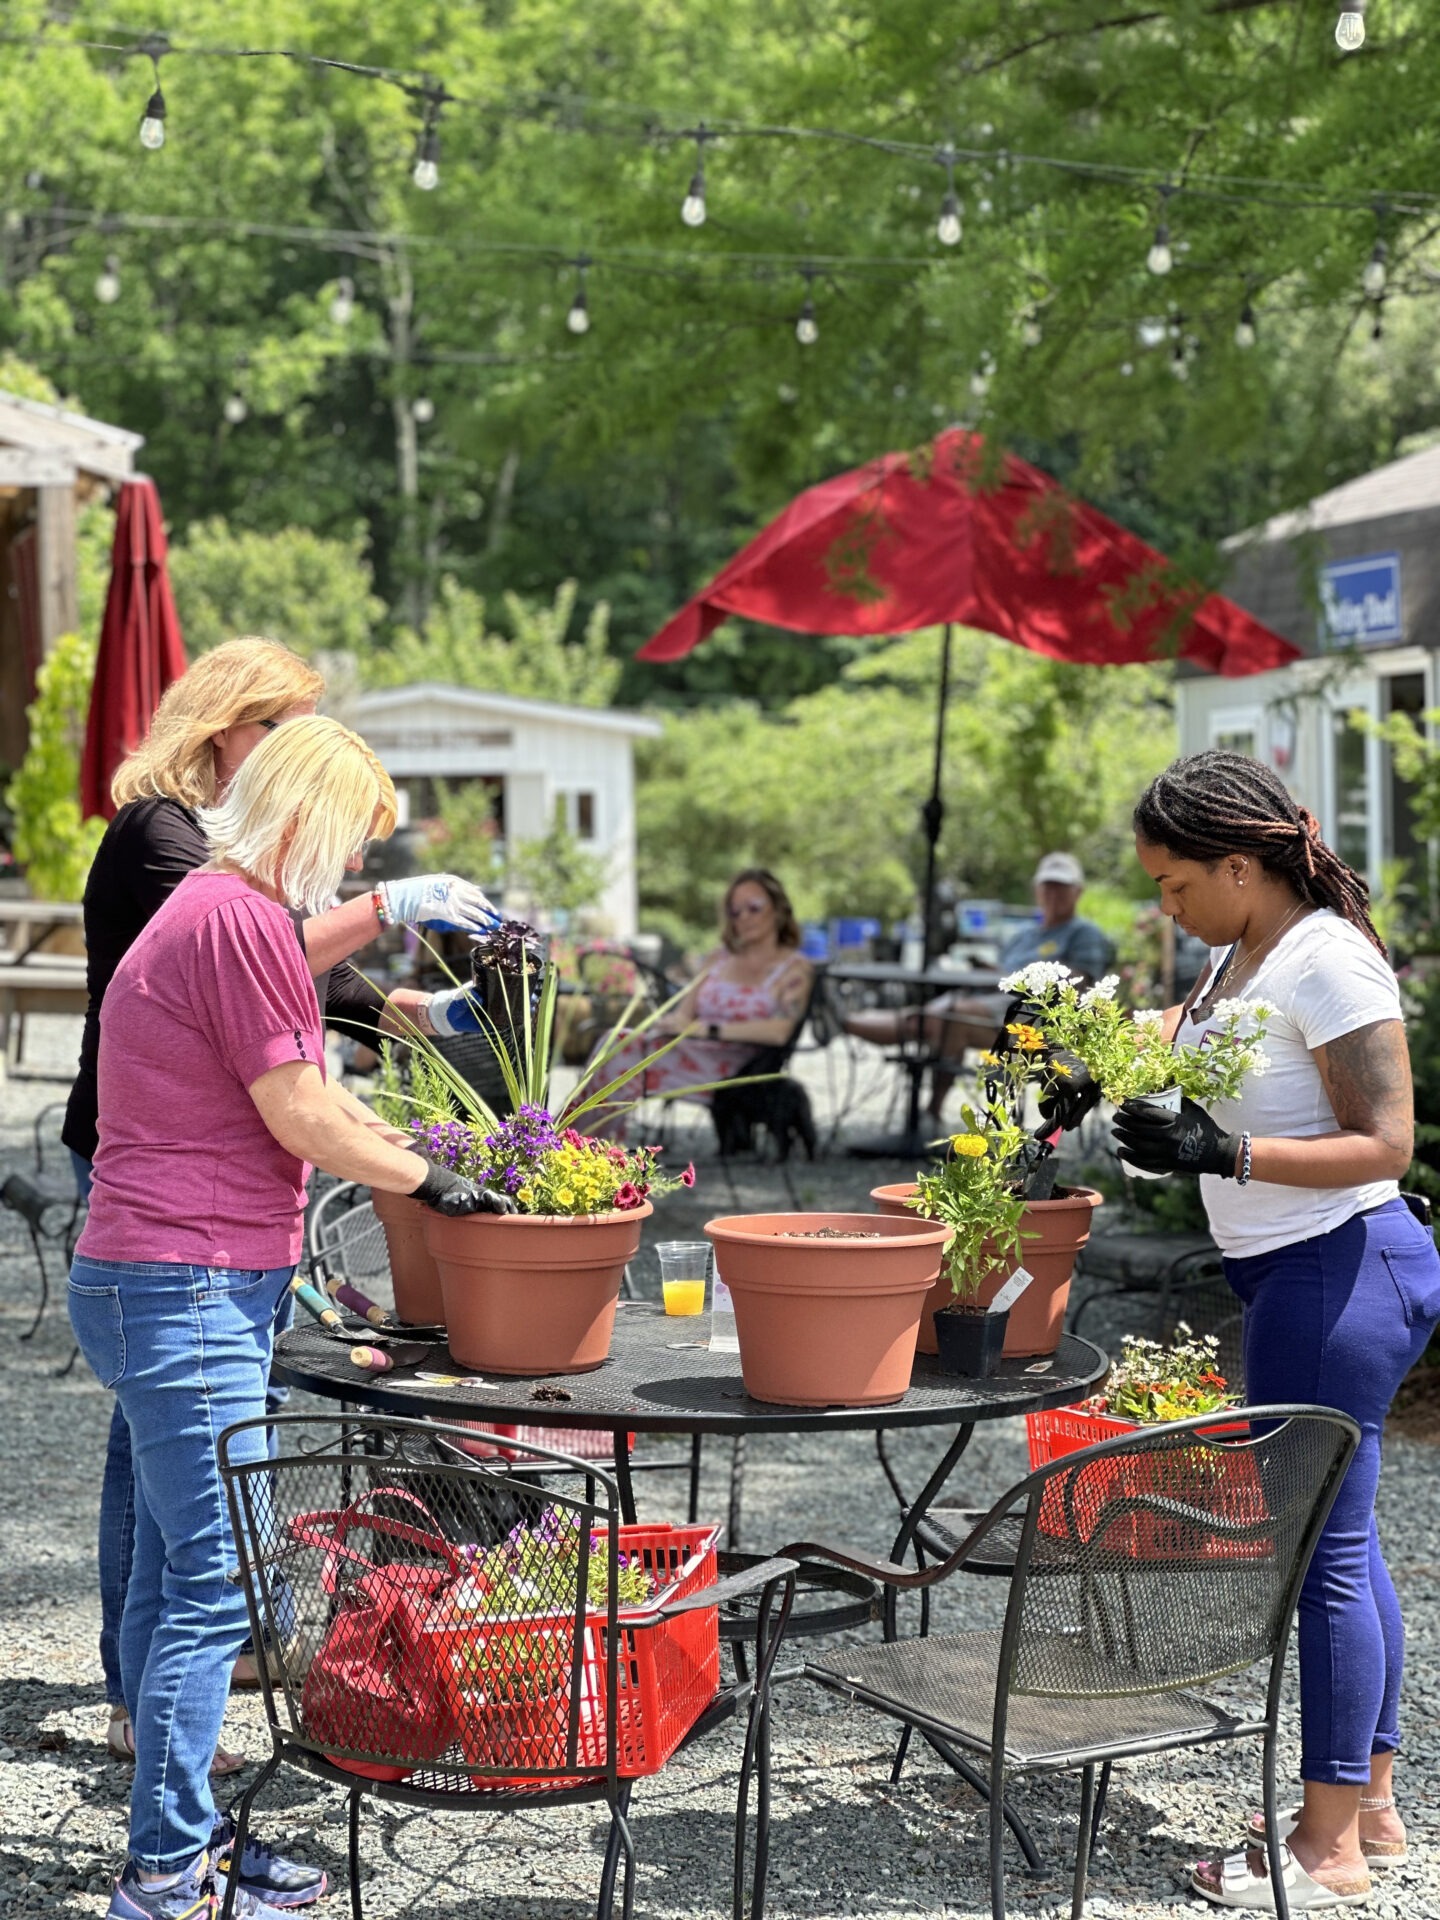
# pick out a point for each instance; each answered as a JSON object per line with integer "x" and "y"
{"x": 441, "y": 901}
{"x": 456, "y": 1010}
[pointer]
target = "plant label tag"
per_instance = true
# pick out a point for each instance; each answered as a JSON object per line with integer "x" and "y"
{"x": 1011, "y": 1291}
{"x": 723, "y": 1337}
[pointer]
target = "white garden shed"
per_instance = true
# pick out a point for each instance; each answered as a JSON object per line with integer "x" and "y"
{"x": 542, "y": 760}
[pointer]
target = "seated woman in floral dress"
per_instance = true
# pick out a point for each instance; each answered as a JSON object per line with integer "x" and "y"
{"x": 747, "y": 996}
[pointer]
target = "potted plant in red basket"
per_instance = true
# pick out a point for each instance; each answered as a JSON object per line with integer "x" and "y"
{"x": 504, "y": 1641}
{"x": 1148, "y": 1385}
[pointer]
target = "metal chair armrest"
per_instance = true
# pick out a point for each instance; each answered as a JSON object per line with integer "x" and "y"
{"x": 732, "y": 1587}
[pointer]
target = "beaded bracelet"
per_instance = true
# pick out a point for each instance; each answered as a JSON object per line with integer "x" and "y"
{"x": 382, "y": 912}
{"x": 1243, "y": 1177}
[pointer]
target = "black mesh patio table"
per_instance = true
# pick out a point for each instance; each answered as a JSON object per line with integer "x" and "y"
{"x": 658, "y": 1381}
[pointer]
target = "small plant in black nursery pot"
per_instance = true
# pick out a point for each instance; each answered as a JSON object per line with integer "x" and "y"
{"x": 980, "y": 1189}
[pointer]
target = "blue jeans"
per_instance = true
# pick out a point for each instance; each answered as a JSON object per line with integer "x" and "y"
{"x": 1338, "y": 1321}
{"x": 187, "y": 1350}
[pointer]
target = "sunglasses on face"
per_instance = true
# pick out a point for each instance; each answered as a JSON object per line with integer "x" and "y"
{"x": 747, "y": 907}
{"x": 268, "y": 725}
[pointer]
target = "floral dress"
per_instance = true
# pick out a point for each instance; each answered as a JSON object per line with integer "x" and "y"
{"x": 694, "y": 1061}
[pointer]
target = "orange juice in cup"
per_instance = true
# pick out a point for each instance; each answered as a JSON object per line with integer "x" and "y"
{"x": 684, "y": 1268}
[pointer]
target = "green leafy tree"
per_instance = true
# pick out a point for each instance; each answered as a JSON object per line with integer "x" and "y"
{"x": 315, "y": 594}
{"x": 51, "y": 840}
{"x": 461, "y": 837}
{"x": 557, "y": 872}
{"x": 536, "y": 659}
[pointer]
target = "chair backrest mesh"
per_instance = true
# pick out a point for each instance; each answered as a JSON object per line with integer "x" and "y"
{"x": 1169, "y": 1558}
{"x": 355, "y": 1247}
{"x": 433, "y": 1618}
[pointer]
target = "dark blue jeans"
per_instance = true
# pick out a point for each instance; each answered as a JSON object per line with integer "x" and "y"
{"x": 1338, "y": 1321}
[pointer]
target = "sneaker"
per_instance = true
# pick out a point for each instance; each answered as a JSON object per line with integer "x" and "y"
{"x": 194, "y": 1896}
{"x": 264, "y": 1874}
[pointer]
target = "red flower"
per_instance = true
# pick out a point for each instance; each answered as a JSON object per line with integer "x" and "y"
{"x": 573, "y": 1138}
{"x": 687, "y": 1179}
{"x": 629, "y": 1197}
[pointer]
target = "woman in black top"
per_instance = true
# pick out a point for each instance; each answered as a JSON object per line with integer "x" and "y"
{"x": 206, "y": 725}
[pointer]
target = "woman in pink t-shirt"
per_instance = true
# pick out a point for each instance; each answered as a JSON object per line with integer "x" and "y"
{"x": 212, "y": 1100}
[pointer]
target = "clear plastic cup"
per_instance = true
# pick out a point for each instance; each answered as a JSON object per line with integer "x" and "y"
{"x": 684, "y": 1270}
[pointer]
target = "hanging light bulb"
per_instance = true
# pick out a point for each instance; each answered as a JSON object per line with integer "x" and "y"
{"x": 1245, "y": 334}
{"x": 1374, "y": 277}
{"x": 1151, "y": 333}
{"x": 807, "y": 331}
{"x": 342, "y": 301}
{"x": 692, "y": 207}
{"x": 152, "y": 126}
{"x": 578, "y": 318}
{"x": 1350, "y": 28}
{"x": 426, "y": 174}
{"x": 948, "y": 227}
{"x": 422, "y": 409}
{"x": 107, "y": 282}
{"x": 235, "y": 409}
{"x": 1127, "y": 367}
{"x": 1160, "y": 259}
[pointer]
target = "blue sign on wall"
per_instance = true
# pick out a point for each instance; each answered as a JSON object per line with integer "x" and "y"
{"x": 1360, "y": 601}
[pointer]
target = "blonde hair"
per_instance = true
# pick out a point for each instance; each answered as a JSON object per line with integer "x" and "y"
{"x": 302, "y": 805}
{"x": 244, "y": 681}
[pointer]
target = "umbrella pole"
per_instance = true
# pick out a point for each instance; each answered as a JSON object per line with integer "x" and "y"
{"x": 932, "y": 814}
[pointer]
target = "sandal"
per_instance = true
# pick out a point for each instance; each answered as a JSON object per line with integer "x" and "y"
{"x": 120, "y": 1745}
{"x": 1235, "y": 1885}
{"x": 1380, "y": 1855}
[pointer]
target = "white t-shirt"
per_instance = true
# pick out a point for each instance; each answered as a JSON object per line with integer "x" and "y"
{"x": 1324, "y": 979}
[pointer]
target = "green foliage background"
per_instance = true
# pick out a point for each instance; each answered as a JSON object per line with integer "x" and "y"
{"x": 439, "y": 537}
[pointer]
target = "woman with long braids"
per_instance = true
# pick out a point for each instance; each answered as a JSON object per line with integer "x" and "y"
{"x": 1340, "y": 1282}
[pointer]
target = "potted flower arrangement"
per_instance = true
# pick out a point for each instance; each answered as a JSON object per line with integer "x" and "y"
{"x": 1128, "y": 1055}
{"x": 995, "y": 1189}
{"x": 1149, "y": 1384}
{"x": 533, "y": 1291}
{"x": 413, "y": 1273}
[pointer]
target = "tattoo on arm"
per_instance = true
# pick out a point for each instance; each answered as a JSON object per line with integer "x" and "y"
{"x": 1367, "y": 1076}
{"x": 794, "y": 992}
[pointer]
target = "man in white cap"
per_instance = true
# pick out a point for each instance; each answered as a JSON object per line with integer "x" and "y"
{"x": 956, "y": 1021}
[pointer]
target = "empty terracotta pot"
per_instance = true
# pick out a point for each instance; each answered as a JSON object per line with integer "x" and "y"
{"x": 533, "y": 1292}
{"x": 413, "y": 1272}
{"x": 826, "y": 1322}
{"x": 1054, "y": 1232}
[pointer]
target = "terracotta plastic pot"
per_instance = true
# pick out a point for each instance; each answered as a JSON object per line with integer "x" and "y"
{"x": 412, "y": 1265}
{"x": 533, "y": 1292}
{"x": 1060, "y": 1228}
{"x": 826, "y": 1323}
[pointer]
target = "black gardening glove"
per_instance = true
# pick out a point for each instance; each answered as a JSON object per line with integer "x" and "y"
{"x": 454, "y": 1196}
{"x": 1069, "y": 1093}
{"x": 1158, "y": 1141}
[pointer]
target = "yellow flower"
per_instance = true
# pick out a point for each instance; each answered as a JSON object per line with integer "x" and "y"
{"x": 1059, "y": 1067}
{"x": 526, "y": 1196}
{"x": 971, "y": 1146}
{"x": 989, "y": 1059}
{"x": 566, "y": 1196}
{"x": 1029, "y": 1039}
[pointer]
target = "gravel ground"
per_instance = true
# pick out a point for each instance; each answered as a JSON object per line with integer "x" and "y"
{"x": 845, "y": 1842}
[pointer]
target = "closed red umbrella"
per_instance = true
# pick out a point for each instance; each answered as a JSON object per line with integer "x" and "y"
{"x": 140, "y": 651}
{"x": 921, "y": 539}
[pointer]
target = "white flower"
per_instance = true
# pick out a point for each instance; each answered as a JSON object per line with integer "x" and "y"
{"x": 1150, "y": 1017}
{"x": 1038, "y": 977}
{"x": 1257, "y": 1061}
{"x": 1238, "y": 1010}
{"x": 1102, "y": 990}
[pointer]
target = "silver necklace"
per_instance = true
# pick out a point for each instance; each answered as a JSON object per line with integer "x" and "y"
{"x": 1202, "y": 1009}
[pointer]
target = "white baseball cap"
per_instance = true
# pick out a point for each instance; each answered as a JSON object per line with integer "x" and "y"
{"x": 1063, "y": 867}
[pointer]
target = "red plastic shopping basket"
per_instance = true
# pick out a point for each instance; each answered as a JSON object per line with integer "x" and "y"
{"x": 1237, "y": 1496}
{"x": 581, "y": 1443}
{"x": 667, "y": 1672}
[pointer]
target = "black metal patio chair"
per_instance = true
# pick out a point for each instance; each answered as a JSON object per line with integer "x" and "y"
{"x": 409, "y": 1666}
{"x": 1143, "y": 1568}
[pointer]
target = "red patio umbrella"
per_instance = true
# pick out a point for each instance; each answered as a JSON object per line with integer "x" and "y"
{"x": 140, "y": 651}
{"x": 945, "y": 535}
